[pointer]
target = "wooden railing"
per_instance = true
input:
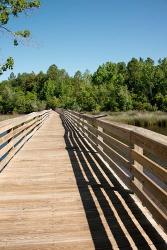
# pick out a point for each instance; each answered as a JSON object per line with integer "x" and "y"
{"x": 15, "y": 132}
{"x": 138, "y": 157}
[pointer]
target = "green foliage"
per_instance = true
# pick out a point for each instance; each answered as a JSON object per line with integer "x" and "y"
{"x": 53, "y": 103}
{"x": 23, "y": 33}
{"x": 14, "y": 7}
{"x": 9, "y": 8}
{"x": 49, "y": 89}
{"x": 139, "y": 85}
{"x": 161, "y": 101}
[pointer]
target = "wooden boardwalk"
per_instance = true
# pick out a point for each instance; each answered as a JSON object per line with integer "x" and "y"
{"x": 56, "y": 193}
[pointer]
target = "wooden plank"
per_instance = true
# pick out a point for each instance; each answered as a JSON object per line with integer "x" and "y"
{"x": 118, "y": 170}
{"x": 92, "y": 129}
{"x": 11, "y": 149}
{"x": 122, "y": 173}
{"x": 6, "y": 148}
{"x": 159, "y": 216}
{"x": 16, "y": 131}
{"x": 120, "y": 131}
{"x": 116, "y": 144}
{"x": 114, "y": 155}
{"x": 147, "y": 183}
{"x": 20, "y": 136}
{"x": 60, "y": 220}
{"x": 49, "y": 199}
{"x": 11, "y": 123}
{"x": 150, "y": 141}
{"x": 88, "y": 137}
{"x": 113, "y": 148}
{"x": 150, "y": 165}
{"x": 115, "y": 167}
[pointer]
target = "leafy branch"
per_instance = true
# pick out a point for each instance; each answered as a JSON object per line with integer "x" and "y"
{"x": 9, "y": 8}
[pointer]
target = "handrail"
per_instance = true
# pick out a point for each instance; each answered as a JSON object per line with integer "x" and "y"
{"x": 138, "y": 156}
{"x": 15, "y": 132}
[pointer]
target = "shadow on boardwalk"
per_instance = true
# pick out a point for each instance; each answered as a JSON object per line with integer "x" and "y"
{"x": 126, "y": 224}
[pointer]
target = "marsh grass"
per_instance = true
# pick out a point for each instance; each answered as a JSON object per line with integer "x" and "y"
{"x": 6, "y": 117}
{"x": 156, "y": 121}
{"x": 142, "y": 119}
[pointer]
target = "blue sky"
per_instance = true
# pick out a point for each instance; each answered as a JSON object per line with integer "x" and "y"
{"x": 82, "y": 34}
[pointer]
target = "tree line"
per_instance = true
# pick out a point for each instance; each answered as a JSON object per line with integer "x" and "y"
{"x": 137, "y": 85}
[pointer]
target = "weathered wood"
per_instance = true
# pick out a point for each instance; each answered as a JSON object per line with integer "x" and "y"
{"x": 116, "y": 144}
{"x": 18, "y": 132}
{"x": 114, "y": 155}
{"x": 120, "y": 131}
{"x": 161, "y": 218}
{"x": 121, "y": 172}
{"x": 147, "y": 183}
{"x": 11, "y": 123}
{"x": 39, "y": 211}
{"x": 55, "y": 194}
{"x": 150, "y": 141}
{"x": 151, "y": 166}
{"x": 124, "y": 148}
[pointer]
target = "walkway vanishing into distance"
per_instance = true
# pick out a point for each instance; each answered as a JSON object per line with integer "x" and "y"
{"x": 57, "y": 193}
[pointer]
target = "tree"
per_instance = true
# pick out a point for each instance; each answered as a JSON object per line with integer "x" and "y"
{"x": 12, "y": 76}
{"x": 31, "y": 102}
{"x": 52, "y": 72}
{"x": 105, "y": 74}
{"x": 9, "y": 8}
{"x": 7, "y": 98}
{"x": 49, "y": 88}
{"x": 139, "y": 85}
{"x": 134, "y": 68}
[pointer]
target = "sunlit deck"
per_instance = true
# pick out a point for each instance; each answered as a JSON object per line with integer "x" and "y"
{"x": 57, "y": 193}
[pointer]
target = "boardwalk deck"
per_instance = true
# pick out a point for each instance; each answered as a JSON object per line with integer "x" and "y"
{"x": 56, "y": 193}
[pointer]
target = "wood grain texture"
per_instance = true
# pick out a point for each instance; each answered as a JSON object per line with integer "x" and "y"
{"x": 136, "y": 155}
{"x": 54, "y": 195}
{"x": 40, "y": 206}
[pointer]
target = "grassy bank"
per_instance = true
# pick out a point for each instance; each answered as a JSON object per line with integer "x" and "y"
{"x": 155, "y": 121}
{"x": 5, "y": 117}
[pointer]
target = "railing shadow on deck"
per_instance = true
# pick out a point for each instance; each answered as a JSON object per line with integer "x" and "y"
{"x": 82, "y": 156}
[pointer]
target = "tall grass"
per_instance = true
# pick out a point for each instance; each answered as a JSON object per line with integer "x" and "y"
{"x": 138, "y": 118}
{"x": 5, "y": 117}
{"x": 156, "y": 121}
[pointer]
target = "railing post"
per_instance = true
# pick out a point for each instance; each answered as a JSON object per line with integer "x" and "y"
{"x": 85, "y": 127}
{"x": 134, "y": 163}
{"x": 138, "y": 166}
{"x": 99, "y": 128}
{"x": 81, "y": 119}
{"x": 99, "y": 137}
{"x": 12, "y": 138}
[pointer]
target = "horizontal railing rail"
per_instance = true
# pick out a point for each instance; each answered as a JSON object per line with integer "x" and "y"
{"x": 138, "y": 156}
{"x": 15, "y": 132}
